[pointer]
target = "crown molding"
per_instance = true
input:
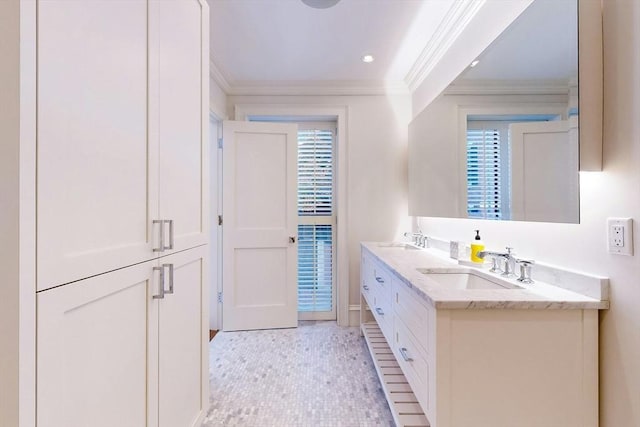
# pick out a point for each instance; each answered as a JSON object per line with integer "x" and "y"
{"x": 319, "y": 88}
{"x": 454, "y": 22}
{"x": 505, "y": 87}
{"x": 306, "y": 88}
{"x": 217, "y": 76}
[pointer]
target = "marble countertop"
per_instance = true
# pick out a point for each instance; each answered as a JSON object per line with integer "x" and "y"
{"x": 539, "y": 295}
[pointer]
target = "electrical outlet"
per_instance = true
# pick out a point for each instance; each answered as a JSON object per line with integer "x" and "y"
{"x": 620, "y": 236}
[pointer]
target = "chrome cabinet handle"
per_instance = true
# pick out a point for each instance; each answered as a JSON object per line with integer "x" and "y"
{"x": 379, "y": 311}
{"x": 161, "y": 222}
{"x": 365, "y": 287}
{"x": 170, "y": 267}
{"x": 161, "y": 287}
{"x": 170, "y": 221}
{"x": 405, "y": 355}
{"x": 379, "y": 279}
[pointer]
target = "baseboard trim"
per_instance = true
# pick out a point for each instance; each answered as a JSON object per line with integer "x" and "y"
{"x": 354, "y": 315}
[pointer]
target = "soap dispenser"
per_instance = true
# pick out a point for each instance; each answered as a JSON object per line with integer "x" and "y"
{"x": 477, "y": 246}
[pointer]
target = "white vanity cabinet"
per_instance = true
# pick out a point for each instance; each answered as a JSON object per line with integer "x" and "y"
{"x": 115, "y": 350}
{"x": 497, "y": 367}
{"x": 412, "y": 339}
{"x": 376, "y": 290}
{"x": 122, "y": 115}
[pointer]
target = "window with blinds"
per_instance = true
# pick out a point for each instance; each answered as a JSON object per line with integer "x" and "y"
{"x": 315, "y": 172}
{"x": 489, "y": 163}
{"x": 316, "y": 224}
{"x": 315, "y": 268}
{"x": 485, "y": 189}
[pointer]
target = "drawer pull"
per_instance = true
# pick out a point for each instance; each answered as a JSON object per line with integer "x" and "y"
{"x": 365, "y": 287}
{"x": 170, "y": 247}
{"x": 160, "y": 295}
{"x": 405, "y": 355}
{"x": 379, "y": 279}
{"x": 379, "y": 311}
{"x": 170, "y": 267}
{"x": 161, "y": 248}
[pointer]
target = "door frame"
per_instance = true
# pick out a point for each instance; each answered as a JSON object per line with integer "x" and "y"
{"x": 338, "y": 114}
{"x": 215, "y": 203}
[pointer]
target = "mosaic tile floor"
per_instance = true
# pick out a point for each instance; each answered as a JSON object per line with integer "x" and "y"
{"x": 317, "y": 375}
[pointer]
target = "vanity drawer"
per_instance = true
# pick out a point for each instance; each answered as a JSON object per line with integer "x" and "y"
{"x": 413, "y": 361}
{"x": 367, "y": 270}
{"x": 368, "y": 293}
{"x": 382, "y": 311}
{"x": 382, "y": 277}
{"x": 366, "y": 287}
{"x": 416, "y": 314}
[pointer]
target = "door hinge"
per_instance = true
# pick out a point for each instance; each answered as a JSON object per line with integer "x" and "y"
{"x": 219, "y": 142}
{"x": 220, "y": 297}
{"x": 219, "y": 219}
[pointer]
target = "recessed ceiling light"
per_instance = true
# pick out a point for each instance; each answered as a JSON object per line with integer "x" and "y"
{"x": 367, "y": 58}
{"x": 320, "y": 4}
{"x": 474, "y": 63}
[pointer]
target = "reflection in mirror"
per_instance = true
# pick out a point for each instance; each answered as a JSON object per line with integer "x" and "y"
{"x": 501, "y": 142}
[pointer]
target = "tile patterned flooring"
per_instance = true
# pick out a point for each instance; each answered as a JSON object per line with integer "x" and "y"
{"x": 317, "y": 375}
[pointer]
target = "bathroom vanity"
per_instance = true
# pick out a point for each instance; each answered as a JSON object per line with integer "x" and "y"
{"x": 458, "y": 346}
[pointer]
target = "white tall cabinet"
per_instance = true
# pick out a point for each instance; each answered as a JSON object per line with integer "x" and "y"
{"x": 120, "y": 151}
{"x": 104, "y": 179}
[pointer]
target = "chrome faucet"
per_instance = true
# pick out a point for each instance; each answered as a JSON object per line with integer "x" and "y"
{"x": 525, "y": 270}
{"x": 509, "y": 261}
{"x": 419, "y": 239}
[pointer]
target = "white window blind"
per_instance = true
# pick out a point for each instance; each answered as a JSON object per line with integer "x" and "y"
{"x": 484, "y": 173}
{"x": 316, "y": 222}
{"x": 315, "y": 267}
{"x": 315, "y": 172}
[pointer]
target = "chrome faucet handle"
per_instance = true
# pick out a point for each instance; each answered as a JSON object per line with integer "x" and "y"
{"x": 416, "y": 236}
{"x": 525, "y": 270}
{"x": 495, "y": 266}
{"x": 509, "y": 262}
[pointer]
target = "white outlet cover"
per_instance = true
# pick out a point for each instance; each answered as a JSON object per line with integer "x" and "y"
{"x": 620, "y": 244}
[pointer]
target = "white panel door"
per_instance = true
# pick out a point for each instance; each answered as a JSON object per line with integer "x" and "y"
{"x": 93, "y": 352}
{"x": 179, "y": 116}
{"x": 183, "y": 334}
{"x": 259, "y": 229}
{"x": 95, "y": 184}
{"x": 544, "y": 170}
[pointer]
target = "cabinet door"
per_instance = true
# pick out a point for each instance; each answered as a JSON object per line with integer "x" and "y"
{"x": 92, "y": 350}
{"x": 95, "y": 182}
{"x": 183, "y": 366}
{"x": 179, "y": 115}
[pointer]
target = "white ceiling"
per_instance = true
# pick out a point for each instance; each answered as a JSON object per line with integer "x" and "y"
{"x": 276, "y": 44}
{"x": 285, "y": 42}
{"x": 541, "y": 44}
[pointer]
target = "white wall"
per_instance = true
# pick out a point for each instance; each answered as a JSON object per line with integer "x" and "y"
{"x": 612, "y": 192}
{"x": 217, "y": 100}
{"x": 376, "y": 170}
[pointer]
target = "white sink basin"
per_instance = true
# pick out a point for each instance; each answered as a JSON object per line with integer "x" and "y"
{"x": 465, "y": 280}
{"x": 398, "y": 245}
